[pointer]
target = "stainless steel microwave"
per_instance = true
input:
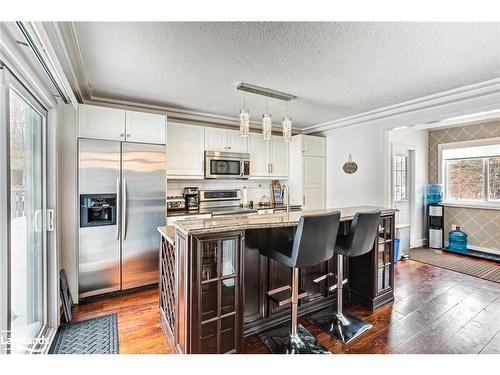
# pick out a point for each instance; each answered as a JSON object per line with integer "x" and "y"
{"x": 227, "y": 165}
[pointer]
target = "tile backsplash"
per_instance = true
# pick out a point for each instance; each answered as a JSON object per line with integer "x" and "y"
{"x": 255, "y": 188}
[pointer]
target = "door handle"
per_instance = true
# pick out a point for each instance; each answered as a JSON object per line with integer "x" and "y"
{"x": 118, "y": 204}
{"x": 50, "y": 220}
{"x": 38, "y": 221}
{"x": 242, "y": 168}
{"x": 124, "y": 209}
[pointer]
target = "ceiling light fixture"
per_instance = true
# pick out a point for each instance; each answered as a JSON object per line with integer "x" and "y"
{"x": 244, "y": 119}
{"x": 267, "y": 122}
{"x": 267, "y": 125}
{"x": 287, "y": 126}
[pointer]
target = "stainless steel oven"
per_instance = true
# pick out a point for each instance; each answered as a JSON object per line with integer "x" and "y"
{"x": 227, "y": 165}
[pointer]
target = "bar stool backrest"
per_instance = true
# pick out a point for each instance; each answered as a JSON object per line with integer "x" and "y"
{"x": 315, "y": 238}
{"x": 364, "y": 229}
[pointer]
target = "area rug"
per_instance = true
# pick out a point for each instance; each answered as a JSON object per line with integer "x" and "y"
{"x": 487, "y": 271}
{"x": 93, "y": 336}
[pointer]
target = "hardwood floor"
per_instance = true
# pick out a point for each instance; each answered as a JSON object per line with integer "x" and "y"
{"x": 435, "y": 311}
{"x": 139, "y": 328}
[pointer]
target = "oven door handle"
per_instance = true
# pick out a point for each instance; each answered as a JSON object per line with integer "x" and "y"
{"x": 118, "y": 203}
{"x": 124, "y": 209}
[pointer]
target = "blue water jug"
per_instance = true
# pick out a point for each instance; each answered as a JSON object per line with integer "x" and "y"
{"x": 457, "y": 240}
{"x": 434, "y": 193}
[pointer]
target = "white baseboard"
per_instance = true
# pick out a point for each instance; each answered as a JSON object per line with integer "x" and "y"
{"x": 419, "y": 243}
{"x": 479, "y": 248}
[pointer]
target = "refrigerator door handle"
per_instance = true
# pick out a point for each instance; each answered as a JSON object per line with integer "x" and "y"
{"x": 124, "y": 209}
{"x": 118, "y": 203}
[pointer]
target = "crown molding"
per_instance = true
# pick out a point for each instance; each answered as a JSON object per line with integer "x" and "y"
{"x": 182, "y": 115}
{"x": 485, "y": 89}
{"x": 435, "y": 107}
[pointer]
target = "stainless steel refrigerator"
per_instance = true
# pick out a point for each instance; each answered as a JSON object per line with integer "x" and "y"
{"x": 122, "y": 202}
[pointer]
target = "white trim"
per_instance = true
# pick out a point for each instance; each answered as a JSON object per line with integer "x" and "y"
{"x": 473, "y": 205}
{"x": 419, "y": 243}
{"x": 478, "y": 248}
{"x": 478, "y": 90}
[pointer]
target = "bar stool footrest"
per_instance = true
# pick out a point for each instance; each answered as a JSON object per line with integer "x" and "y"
{"x": 279, "y": 341}
{"x": 283, "y": 295}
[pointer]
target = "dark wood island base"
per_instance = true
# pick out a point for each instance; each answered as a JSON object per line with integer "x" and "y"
{"x": 216, "y": 288}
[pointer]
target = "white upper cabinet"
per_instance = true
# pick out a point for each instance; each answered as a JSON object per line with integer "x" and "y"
{"x": 258, "y": 149}
{"x": 217, "y": 139}
{"x": 235, "y": 142}
{"x": 121, "y": 125}
{"x": 101, "y": 122}
{"x": 280, "y": 157}
{"x": 313, "y": 146}
{"x": 145, "y": 127}
{"x": 268, "y": 158}
{"x": 185, "y": 151}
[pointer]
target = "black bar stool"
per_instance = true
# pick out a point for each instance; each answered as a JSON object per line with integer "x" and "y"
{"x": 313, "y": 243}
{"x": 359, "y": 241}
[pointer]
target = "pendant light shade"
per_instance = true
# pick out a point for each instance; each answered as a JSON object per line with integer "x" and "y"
{"x": 287, "y": 129}
{"x": 244, "y": 122}
{"x": 267, "y": 124}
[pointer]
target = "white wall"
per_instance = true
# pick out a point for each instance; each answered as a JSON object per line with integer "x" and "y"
{"x": 371, "y": 184}
{"x": 366, "y": 144}
{"x": 67, "y": 207}
{"x": 417, "y": 139}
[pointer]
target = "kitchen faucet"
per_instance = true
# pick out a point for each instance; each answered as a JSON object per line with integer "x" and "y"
{"x": 287, "y": 188}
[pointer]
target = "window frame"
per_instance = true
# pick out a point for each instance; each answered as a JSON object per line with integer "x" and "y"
{"x": 395, "y": 171}
{"x": 443, "y": 173}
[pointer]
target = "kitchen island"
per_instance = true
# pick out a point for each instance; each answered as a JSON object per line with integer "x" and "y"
{"x": 216, "y": 288}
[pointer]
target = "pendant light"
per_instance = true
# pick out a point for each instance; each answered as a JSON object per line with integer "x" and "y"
{"x": 267, "y": 124}
{"x": 287, "y": 126}
{"x": 244, "y": 120}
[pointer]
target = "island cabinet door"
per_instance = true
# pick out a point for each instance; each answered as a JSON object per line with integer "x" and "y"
{"x": 217, "y": 313}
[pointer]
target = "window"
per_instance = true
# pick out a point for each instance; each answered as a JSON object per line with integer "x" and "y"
{"x": 472, "y": 174}
{"x": 400, "y": 178}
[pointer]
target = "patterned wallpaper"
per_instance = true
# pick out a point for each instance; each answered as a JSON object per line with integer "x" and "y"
{"x": 482, "y": 226}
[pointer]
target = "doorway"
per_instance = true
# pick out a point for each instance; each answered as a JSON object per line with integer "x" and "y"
{"x": 25, "y": 307}
{"x": 403, "y": 194}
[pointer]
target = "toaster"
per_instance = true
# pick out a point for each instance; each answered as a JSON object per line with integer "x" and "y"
{"x": 176, "y": 203}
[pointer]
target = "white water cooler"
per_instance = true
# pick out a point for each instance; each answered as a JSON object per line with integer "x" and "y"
{"x": 435, "y": 222}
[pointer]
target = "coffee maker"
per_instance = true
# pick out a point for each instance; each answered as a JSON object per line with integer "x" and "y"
{"x": 191, "y": 197}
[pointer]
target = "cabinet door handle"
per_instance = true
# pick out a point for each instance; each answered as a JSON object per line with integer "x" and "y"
{"x": 121, "y": 135}
{"x": 128, "y": 135}
{"x": 304, "y": 200}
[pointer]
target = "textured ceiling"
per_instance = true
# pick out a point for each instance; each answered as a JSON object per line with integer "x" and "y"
{"x": 335, "y": 69}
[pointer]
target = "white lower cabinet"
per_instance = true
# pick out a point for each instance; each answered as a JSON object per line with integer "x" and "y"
{"x": 185, "y": 151}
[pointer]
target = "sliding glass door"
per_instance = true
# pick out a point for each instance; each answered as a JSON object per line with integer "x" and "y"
{"x": 27, "y": 259}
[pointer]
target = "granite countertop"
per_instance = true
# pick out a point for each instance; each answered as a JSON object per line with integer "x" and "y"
{"x": 277, "y": 219}
{"x": 168, "y": 232}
